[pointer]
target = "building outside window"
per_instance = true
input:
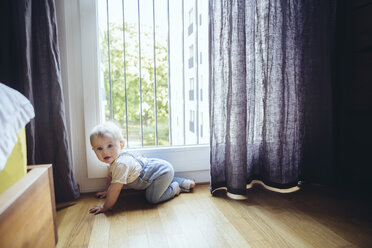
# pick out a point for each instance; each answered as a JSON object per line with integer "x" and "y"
{"x": 191, "y": 90}
{"x": 192, "y": 121}
{"x": 191, "y": 21}
{"x": 201, "y": 87}
{"x": 201, "y": 124}
{"x": 191, "y": 56}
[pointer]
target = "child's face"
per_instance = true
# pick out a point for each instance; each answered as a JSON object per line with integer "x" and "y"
{"x": 106, "y": 148}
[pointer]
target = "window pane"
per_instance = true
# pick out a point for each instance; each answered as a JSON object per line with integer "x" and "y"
{"x": 161, "y": 54}
{"x": 103, "y": 55}
{"x": 190, "y": 47}
{"x": 148, "y": 81}
{"x": 203, "y": 73}
{"x": 177, "y": 81}
{"x": 132, "y": 72}
{"x": 116, "y": 63}
{"x": 147, "y": 72}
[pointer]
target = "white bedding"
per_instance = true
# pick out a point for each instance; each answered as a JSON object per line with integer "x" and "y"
{"x": 15, "y": 112}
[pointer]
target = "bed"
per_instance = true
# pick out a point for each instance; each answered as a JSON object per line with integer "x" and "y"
{"x": 27, "y": 202}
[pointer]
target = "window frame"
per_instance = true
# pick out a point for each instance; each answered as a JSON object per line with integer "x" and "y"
{"x": 186, "y": 158}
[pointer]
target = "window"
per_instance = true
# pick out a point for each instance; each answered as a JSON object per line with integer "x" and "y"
{"x": 192, "y": 121}
{"x": 201, "y": 88}
{"x": 191, "y": 16}
{"x": 191, "y": 56}
{"x": 201, "y": 124}
{"x": 141, "y": 49}
{"x": 137, "y": 61}
{"x": 191, "y": 21}
{"x": 191, "y": 90}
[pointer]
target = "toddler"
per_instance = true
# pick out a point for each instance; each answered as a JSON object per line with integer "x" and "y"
{"x": 126, "y": 170}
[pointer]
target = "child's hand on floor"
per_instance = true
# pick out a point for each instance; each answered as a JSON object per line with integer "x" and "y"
{"x": 101, "y": 194}
{"x": 97, "y": 209}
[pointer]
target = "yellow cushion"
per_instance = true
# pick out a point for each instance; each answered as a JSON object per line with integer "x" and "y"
{"x": 16, "y": 165}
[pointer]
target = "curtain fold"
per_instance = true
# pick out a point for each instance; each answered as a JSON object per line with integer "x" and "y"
{"x": 30, "y": 63}
{"x": 270, "y": 92}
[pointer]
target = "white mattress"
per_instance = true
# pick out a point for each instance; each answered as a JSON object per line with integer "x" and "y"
{"x": 15, "y": 112}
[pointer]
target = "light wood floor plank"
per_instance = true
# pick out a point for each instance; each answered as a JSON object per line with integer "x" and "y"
{"x": 312, "y": 217}
{"x": 100, "y": 232}
{"x": 156, "y": 235}
{"x": 77, "y": 224}
{"x": 118, "y": 238}
{"x": 136, "y": 241}
{"x": 177, "y": 241}
{"x": 188, "y": 224}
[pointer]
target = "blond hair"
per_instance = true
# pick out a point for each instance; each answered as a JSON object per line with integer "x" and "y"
{"x": 107, "y": 129}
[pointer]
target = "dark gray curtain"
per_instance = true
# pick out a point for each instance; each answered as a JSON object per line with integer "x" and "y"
{"x": 30, "y": 63}
{"x": 270, "y": 92}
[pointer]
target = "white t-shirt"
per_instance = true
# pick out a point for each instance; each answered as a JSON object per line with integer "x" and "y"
{"x": 125, "y": 169}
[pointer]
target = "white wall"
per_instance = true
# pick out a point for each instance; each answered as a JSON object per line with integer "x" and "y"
{"x": 69, "y": 42}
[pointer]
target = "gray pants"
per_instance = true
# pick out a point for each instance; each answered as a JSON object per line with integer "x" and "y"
{"x": 156, "y": 178}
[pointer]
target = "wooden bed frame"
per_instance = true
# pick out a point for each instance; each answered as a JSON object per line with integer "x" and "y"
{"x": 28, "y": 211}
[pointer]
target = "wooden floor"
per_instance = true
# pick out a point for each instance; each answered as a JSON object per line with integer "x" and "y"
{"x": 311, "y": 217}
